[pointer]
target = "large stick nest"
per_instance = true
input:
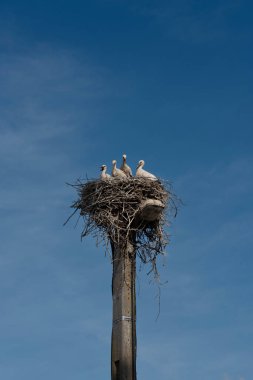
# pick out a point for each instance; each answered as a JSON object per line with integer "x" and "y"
{"x": 111, "y": 211}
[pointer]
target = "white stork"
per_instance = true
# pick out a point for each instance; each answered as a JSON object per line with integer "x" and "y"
{"x": 125, "y": 168}
{"x": 140, "y": 172}
{"x": 104, "y": 176}
{"x": 117, "y": 172}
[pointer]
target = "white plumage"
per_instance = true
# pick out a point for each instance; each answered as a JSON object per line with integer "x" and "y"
{"x": 125, "y": 168}
{"x": 117, "y": 172}
{"x": 104, "y": 176}
{"x": 140, "y": 172}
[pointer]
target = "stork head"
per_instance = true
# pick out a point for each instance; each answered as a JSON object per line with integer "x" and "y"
{"x": 114, "y": 162}
{"x": 103, "y": 167}
{"x": 124, "y": 157}
{"x": 140, "y": 164}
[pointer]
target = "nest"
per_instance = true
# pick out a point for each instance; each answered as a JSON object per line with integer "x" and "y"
{"x": 111, "y": 212}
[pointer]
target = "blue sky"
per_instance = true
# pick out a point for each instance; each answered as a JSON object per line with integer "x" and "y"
{"x": 81, "y": 83}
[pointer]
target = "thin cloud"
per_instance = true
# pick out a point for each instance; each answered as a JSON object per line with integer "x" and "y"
{"x": 41, "y": 124}
{"x": 39, "y": 102}
{"x": 187, "y": 21}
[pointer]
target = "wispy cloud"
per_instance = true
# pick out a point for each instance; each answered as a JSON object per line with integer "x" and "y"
{"x": 40, "y": 101}
{"x": 192, "y": 21}
{"x": 42, "y": 123}
{"x": 48, "y": 102}
{"x": 228, "y": 377}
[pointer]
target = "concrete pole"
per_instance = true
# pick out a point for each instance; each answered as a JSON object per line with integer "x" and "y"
{"x": 123, "y": 354}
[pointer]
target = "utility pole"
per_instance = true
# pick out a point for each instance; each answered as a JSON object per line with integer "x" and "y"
{"x": 124, "y": 341}
{"x": 123, "y": 350}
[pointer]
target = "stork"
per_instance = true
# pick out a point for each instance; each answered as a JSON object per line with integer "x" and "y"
{"x": 125, "y": 168}
{"x": 117, "y": 172}
{"x": 140, "y": 172}
{"x": 104, "y": 176}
